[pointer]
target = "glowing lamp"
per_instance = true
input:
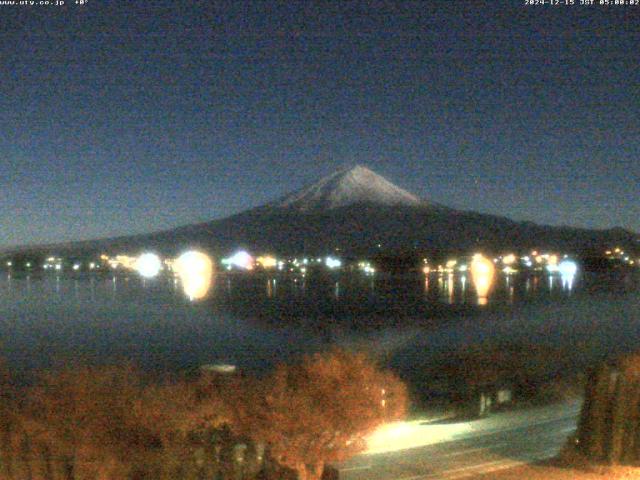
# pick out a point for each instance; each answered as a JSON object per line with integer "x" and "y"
{"x": 332, "y": 262}
{"x": 240, "y": 259}
{"x": 267, "y": 261}
{"x": 568, "y": 268}
{"x": 509, "y": 259}
{"x": 148, "y": 265}
{"x": 482, "y": 273}
{"x": 195, "y": 270}
{"x": 552, "y": 268}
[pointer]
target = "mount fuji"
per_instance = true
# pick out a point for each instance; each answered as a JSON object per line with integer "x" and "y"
{"x": 357, "y": 185}
{"x": 356, "y": 211}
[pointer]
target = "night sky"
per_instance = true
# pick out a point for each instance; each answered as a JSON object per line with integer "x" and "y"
{"x": 123, "y": 117}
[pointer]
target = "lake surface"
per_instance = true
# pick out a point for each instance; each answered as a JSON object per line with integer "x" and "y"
{"x": 256, "y": 320}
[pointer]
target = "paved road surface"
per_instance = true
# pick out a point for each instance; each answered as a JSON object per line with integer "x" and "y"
{"x": 419, "y": 451}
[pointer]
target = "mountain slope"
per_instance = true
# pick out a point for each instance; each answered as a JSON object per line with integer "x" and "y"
{"x": 357, "y": 185}
{"x": 359, "y": 212}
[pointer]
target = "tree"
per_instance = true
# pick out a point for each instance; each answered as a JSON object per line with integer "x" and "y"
{"x": 320, "y": 410}
{"x": 8, "y": 422}
{"x": 609, "y": 427}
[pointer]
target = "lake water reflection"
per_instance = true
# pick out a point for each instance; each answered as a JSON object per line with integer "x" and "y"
{"x": 255, "y": 320}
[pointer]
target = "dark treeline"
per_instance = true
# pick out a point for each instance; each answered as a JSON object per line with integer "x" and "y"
{"x": 116, "y": 422}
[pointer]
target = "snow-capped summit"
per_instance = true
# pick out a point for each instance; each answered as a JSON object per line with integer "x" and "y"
{"x": 350, "y": 186}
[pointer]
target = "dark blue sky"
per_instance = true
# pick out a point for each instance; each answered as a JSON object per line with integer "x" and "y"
{"x": 125, "y": 117}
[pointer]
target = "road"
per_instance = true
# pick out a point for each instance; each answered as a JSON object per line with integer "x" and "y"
{"x": 451, "y": 450}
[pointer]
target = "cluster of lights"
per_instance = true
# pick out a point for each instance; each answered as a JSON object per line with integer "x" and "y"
{"x": 483, "y": 269}
{"x": 53, "y": 263}
{"x": 620, "y": 255}
{"x": 149, "y": 264}
{"x": 450, "y": 266}
{"x": 510, "y": 263}
{"x": 366, "y": 267}
{"x": 299, "y": 264}
{"x": 122, "y": 261}
{"x": 242, "y": 260}
{"x": 193, "y": 268}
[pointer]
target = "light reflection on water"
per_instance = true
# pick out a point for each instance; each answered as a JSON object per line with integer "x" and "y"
{"x": 256, "y": 320}
{"x": 196, "y": 273}
{"x": 483, "y": 273}
{"x": 447, "y": 288}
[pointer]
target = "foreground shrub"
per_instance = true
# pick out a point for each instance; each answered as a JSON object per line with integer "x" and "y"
{"x": 106, "y": 423}
{"x": 115, "y": 423}
{"x": 320, "y": 410}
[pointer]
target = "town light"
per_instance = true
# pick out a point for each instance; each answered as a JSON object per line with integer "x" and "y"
{"x": 267, "y": 261}
{"x": 568, "y": 268}
{"x": 195, "y": 270}
{"x": 148, "y": 265}
{"x": 332, "y": 262}
{"x": 509, "y": 259}
{"x": 482, "y": 273}
{"x": 240, "y": 259}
